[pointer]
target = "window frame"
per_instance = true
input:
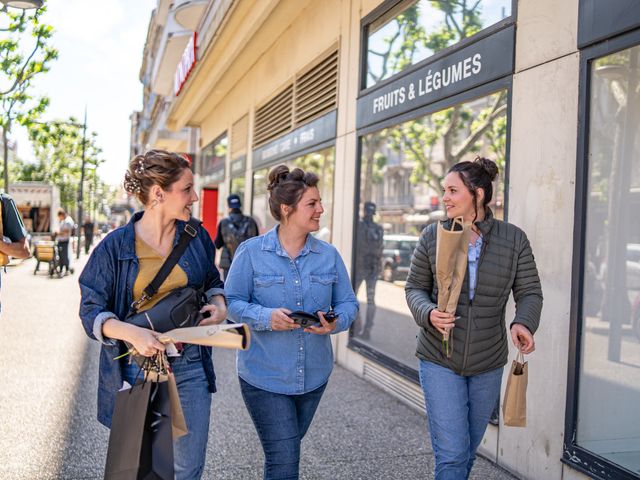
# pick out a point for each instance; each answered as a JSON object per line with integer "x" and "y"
{"x": 388, "y": 5}
{"x": 574, "y": 455}
{"x": 504, "y": 83}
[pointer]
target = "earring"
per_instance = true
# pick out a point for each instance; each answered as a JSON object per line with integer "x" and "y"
{"x": 154, "y": 203}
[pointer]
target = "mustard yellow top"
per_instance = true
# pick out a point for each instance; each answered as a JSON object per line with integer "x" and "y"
{"x": 150, "y": 262}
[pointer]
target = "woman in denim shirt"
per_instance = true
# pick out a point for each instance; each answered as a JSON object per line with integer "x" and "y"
{"x": 122, "y": 265}
{"x": 285, "y": 372}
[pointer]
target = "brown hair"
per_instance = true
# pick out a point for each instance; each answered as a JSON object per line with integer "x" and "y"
{"x": 477, "y": 174}
{"x": 287, "y": 187}
{"x": 155, "y": 167}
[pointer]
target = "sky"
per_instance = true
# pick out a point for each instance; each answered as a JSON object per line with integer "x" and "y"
{"x": 100, "y": 44}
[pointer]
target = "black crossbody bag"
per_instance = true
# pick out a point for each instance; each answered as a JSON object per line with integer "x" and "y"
{"x": 181, "y": 307}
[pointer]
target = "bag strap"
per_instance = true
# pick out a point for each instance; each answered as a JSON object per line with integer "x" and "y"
{"x": 190, "y": 232}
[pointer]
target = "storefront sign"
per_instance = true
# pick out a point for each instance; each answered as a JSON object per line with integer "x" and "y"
{"x": 479, "y": 63}
{"x": 314, "y": 133}
{"x": 214, "y": 178}
{"x": 238, "y": 166}
{"x": 600, "y": 19}
{"x": 185, "y": 66}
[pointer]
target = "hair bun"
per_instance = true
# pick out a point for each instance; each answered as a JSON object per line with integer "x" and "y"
{"x": 488, "y": 166}
{"x": 277, "y": 175}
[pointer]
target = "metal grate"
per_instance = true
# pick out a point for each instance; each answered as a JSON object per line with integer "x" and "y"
{"x": 316, "y": 90}
{"x": 274, "y": 118}
{"x": 403, "y": 390}
{"x": 239, "y": 140}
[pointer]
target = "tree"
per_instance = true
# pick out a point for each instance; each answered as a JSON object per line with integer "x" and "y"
{"x": 19, "y": 68}
{"x": 438, "y": 141}
{"x": 57, "y": 146}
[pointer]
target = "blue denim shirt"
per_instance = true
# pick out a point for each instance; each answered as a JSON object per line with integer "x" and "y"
{"x": 106, "y": 286}
{"x": 263, "y": 278}
{"x": 472, "y": 260}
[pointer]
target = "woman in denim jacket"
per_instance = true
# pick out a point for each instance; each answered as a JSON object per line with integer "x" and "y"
{"x": 285, "y": 372}
{"x": 122, "y": 265}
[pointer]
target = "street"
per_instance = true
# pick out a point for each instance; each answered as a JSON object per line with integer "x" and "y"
{"x": 48, "y": 426}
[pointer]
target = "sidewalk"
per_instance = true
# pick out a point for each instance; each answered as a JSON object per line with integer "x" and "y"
{"x": 48, "y": 426}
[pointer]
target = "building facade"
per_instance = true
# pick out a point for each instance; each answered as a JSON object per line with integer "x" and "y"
{"x": 380, "y": 98}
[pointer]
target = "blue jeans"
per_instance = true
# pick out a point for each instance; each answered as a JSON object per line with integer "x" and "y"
{"x": 189, "y": 451}
{"x": 458, "y": 411}
{"x": 281, "y": 421}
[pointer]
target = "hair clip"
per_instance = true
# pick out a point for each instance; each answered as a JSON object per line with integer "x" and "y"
{"x": 139, "y": 170}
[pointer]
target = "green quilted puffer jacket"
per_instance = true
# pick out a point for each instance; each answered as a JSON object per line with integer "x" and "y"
{"x": 480, "y": 337}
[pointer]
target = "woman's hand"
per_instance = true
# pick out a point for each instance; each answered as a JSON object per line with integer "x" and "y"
{"x": 522, "y": 338}
{"x": 281, "y": 321}
{"x": 442, "y": 321}
{"x": 217, "y": 314}
{"x": 144, "y": 341}
{"x": 324, "y": 328}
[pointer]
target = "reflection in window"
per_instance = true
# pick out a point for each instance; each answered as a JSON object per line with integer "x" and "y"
{"x": 415, "y": 30}
{"x": 237, "y": 186}
{"x": 322, "y": 164}
{"x": 401, "y": 175}
{"x": 609, "y": 385}
{"x": 213, "y": 155}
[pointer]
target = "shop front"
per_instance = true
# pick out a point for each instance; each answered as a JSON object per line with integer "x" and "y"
{"x": 311, "y": 148}
{"x": 602, "y": 426}
{"x": 211, "y": 178}
{"x": 418, "y": 113}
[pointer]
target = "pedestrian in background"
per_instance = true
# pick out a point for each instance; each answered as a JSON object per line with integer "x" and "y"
{"x": 232, "y": 231}
{"x": 369, "y": 248}
{"x": 461, "y": 392}
{"x": 88, "y": 228}
{"x": 63, "y": 239}
{"x": 284, "y": 373}
{"x": 117, "y": 272}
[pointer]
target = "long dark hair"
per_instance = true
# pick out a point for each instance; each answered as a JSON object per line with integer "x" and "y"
{"x": 477, "y": 174}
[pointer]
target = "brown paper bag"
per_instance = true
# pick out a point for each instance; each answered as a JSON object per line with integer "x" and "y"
{"x": 452, "y": 247}
{"x": 514, "y": 406}
{"x": 178, "y": 423}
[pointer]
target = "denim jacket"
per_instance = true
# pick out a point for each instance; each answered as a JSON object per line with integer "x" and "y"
{"x": 106, "y": 285}
{"x": 263, "y": 278}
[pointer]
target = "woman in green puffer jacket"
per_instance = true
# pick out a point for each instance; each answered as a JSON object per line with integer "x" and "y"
{"x": 462, "y": 390}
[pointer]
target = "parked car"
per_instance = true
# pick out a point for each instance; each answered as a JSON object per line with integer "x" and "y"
{"x": 396, "y": 256}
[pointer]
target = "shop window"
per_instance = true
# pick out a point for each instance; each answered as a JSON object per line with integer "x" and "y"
{"x": 607, "y": 422}
{"x": 401, "y": 173}
{"x": 415, "y": 30}
{"x": 237, "y": 186}
{"x": 212, "y": 157}
{"x": 322, "y": 163}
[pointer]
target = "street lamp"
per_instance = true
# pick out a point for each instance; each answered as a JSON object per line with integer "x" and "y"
{"x": 22, "y": 4}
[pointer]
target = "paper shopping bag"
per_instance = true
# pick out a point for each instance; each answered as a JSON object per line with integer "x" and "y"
{"x": 452, "y": 248}
{"x": 127, "y": 431}
{"x": 156, "y": 457}
{"x": 141, "y": 441}
{"x": 178, "y": 422}
{"x": 514, "y": 406}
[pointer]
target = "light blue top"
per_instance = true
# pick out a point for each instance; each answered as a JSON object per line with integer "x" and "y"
{"x": 263, "y": 277}
{"x": 474, "y": 255}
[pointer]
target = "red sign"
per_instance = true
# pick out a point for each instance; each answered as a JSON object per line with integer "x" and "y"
{"x": 187, "y": 62}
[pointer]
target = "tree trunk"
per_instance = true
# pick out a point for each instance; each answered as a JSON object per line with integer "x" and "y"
{"x": 5, "y": 151}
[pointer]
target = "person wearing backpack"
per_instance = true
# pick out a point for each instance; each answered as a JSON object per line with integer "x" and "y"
{"x": 232, "y": 231}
